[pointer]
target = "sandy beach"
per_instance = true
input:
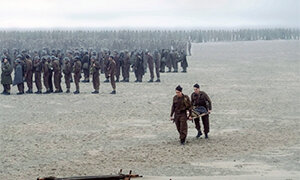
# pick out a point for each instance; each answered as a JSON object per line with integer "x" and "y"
{"x": 255, "y": 129}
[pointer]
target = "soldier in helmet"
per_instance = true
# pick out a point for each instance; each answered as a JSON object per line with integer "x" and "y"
{"x": 50, "y": 59}
{"x": 57, "y": 75}
{"x": 77, "y": 73}
{"x": 67, "y": 70}
{"x": 138, "y": 67}
{"x": 85, "y": 66}
{"x": 118, "y": 65}
{"x": 37, "y": 65}
{"x": 95, "y": 67}
{"x": 46, "y": 74}
{"x": 183, "y": 60}
{"x": 6, "y": 80}
{"x": 125, "y": 66}
{"x": 28, "y": 73}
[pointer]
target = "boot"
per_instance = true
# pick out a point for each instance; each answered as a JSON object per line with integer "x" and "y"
{"x": 113, "y": 92}
{"x": 68, "y": 91}
{"x": 38, "y": 92}
{"x": 182, "y": 141}
{"x": 76, "y": 92}
{"x": 158, "y": 80}
{"x": 150, "y": 81}
{"x": 199, "y": 134}
{"x": 106, "y": 81}
{"x": 95, "y": 92}
{"x": 206, "y": 136}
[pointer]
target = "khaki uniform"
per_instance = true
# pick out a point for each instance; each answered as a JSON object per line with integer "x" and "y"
{"x": 57, "y": 75}
{"x": 112, "y": 70}
{"x": 29, "y": 73}
{"x": 77, "y": 73}
{"x": 201, "y": 99}
{"x": 180, "y": 107}
{"x": 96, "y": 75}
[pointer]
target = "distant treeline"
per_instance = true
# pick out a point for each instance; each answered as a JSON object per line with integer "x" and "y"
{"x": 134, "y": 39}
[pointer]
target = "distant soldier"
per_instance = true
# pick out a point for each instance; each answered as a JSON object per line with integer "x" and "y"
{"x": 19, "y": 76}
{"x": 201, "y": 102}
{"x": 174, "y": 60}
{"x": 150, "y": 62}
{"x": 6, "y": 80}
{"x": 138, "y": 67}
{"x": 125, "y": 67}
{"x": 57, "y": 75}
{"x": 46, "y": 73}
{"x": 157, "y": 58}
{"x": 95, "y": 67}
{"x": 77, "y": 73}
{"x": 189, "y": 44}
{"x": 181, "y": 104}
{"x": 67, "y": 70}
{"x": 118, "y": 65}
{"x": 28, "y": 73}
{"x": 111, "y": 69}
{"x": 50, "y": 83}
{"x": 85, "y": 66}
{"x": 106, "y": 63}
{"x": 38, "y": 66}
{"x": 183, "y": 60}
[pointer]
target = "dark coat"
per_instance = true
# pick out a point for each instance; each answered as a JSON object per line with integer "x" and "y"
{"x": 6, "y": 73}
{"x": 19, "y": 78}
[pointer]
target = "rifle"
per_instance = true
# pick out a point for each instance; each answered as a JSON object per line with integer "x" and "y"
{"x": 119, "y": 176}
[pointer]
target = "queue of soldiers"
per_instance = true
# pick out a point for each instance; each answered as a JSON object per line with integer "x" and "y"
{"x": 50, "y": 66}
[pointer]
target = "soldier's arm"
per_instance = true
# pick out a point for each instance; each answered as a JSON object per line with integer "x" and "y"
{"x": 207, "y": 99}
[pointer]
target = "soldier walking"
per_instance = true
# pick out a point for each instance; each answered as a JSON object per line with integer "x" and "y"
{"x": 181, "y": 104}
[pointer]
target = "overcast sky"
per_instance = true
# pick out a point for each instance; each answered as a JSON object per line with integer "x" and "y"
{"x": 149, "y": 14}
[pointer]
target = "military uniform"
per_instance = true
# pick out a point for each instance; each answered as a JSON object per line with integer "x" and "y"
{"x": 29, "y": 74}
{"x": 37, "y": 64}
{"x": 57, "y": 75}
{"x": 157, "y": 59}
{"x": 180, "y": 107}
{"x": 6, "y": 79}
{"x": 95, "y": 67}
{"x": 46, "y": 74}
{"x": 126, "y": 67}
{"x": 19, "y": 77}
{"x": 150, "y": 62}
{"x": 67, "y": 74}
{"x": 139, "y": 68}
{"x": 198, "y": 100}
{"x": 112, "y": 70}
{"x": 77, "y": 74}
{"x": 85, "y": 66}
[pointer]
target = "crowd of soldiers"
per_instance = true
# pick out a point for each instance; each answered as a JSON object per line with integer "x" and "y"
{"x": 49, "y": 66}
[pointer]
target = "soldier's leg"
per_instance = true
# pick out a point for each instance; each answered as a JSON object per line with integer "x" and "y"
{"x": 46, "y": 83}
{"x": 205, "y": 121}
{"x": 68, "y": 82}
{"x": 50, "y": 82}
{"x": 4, "y": 89}
{"x": 183, "y": 128}
{"x": 113, "y": 83}
{"x": 40, "y": 87}
{"x": 151, "y": 68}
{"x": 157, "y": 71}
{"x": 7, "y": 88}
